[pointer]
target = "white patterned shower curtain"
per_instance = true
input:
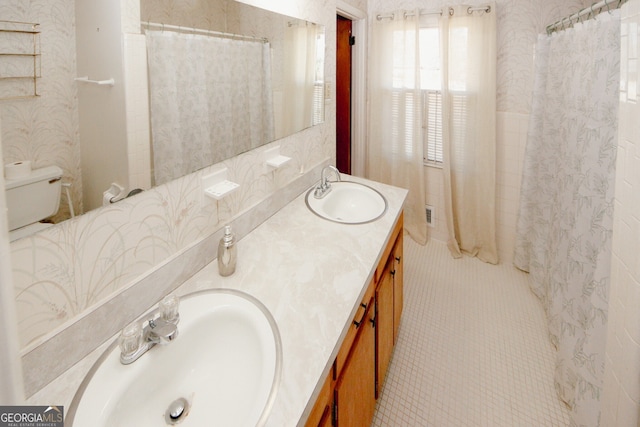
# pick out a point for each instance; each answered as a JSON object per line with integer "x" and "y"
{"x": 210, "y": 98}
{"x": 567, "y": 198}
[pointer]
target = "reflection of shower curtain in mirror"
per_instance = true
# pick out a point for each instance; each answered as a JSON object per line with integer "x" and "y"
{"x": 208, "y": 100}
{"x": 299, "y": 76}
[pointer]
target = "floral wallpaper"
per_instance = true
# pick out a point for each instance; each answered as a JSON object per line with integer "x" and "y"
{"x": 68, "y": 269}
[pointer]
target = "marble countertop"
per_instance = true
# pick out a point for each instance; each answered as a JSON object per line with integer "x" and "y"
{"x": 311, "y": 274}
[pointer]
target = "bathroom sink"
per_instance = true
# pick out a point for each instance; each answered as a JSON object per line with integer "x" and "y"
{"x": 348, "y": 202}
{"x": 224, "y": 368}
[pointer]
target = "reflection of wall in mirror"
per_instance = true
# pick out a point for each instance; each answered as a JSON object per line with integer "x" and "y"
{"x": 45, "y": 130}
{"x": 102, "y": 109}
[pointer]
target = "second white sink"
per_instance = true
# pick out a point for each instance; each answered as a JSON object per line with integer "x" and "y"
{"x": 348, "y": 202}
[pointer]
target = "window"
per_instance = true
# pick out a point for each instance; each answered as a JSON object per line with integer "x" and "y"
{"x": 431, "y": 86}
{"x": 430, "y": 100}
{"x": 319, "y": 85}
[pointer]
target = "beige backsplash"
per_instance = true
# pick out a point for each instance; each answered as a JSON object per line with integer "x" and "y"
{"x": 82, "y": 334}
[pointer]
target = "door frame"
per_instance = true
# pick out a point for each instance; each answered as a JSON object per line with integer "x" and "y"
{"x": 358, "y": 86}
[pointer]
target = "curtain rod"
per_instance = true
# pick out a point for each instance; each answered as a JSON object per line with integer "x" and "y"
{"x": 193, "y": 30}
{"x": 590, "y": 11}
{"x": 440, "y": 12}
{"x": 407, "y": 14}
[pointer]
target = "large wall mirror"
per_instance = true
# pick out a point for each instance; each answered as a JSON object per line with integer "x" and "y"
{"x": 220, "y": 78}
{"x": 251, "y": 77}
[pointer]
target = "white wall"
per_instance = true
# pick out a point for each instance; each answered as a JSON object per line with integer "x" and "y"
{"x": 103, "y": 142}
{"x": 621, "y": 390}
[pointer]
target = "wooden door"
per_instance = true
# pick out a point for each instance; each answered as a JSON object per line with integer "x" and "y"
{"x": 384, "y": 325}
{"x": 355, "y": 389}
{"x": 343, "y": 95}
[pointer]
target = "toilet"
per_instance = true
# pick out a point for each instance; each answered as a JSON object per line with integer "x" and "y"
{"x": 32, "y": 198}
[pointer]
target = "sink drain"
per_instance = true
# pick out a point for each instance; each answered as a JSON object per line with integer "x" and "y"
{"x": 177, "y": 411}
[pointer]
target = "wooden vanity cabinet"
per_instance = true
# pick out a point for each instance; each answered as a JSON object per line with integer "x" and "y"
{"x": 348, "y": 396}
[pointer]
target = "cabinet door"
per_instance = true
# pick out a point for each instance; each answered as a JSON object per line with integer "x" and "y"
{"x": 355, "y": 389}
{"x": 384, "y": 325}
{"x": 398, "y": 286}
{"x": 321, "y": 413}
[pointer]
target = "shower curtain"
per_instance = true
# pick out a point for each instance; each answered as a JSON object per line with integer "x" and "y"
{"x": 566, "y": 210}
{"x": 210, "y": 98}
{"x": 299, "y": 75}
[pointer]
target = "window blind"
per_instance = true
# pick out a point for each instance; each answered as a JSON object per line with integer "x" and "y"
{"x": 433, "y": 126}
{"x": 318, "y": 103}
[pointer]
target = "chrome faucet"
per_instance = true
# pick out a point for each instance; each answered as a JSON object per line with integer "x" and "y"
{"x": 324, "y": 187}
{"x": 161, "y": 332}
{"x": 161, "y": 329}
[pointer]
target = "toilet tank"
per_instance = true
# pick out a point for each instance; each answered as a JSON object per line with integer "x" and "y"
{"x": 34, "y": 197}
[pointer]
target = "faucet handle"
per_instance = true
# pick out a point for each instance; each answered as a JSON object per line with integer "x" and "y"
{"x": 169, "y": 308}
{"x": 130, "y": 339}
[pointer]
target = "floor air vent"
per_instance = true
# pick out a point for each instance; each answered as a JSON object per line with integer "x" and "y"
{"x": 430, "y": 215}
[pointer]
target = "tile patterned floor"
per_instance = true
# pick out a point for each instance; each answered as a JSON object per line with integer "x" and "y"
{"x": 472, "y": 350}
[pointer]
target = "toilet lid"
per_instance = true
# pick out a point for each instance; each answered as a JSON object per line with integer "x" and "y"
{"x": 42, "y": 174}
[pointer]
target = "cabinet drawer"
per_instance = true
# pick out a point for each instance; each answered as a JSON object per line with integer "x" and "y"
{"x": 353, "y": 329}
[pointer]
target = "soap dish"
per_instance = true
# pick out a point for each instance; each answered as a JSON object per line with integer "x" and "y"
{"x": 221, "y": 189}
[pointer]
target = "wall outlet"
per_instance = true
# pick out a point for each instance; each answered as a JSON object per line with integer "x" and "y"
{"x": 327, "y": 90}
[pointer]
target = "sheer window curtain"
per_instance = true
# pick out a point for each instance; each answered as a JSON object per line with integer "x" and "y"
{"x": 395, "y": 150}
{"x": 469, "y": 130}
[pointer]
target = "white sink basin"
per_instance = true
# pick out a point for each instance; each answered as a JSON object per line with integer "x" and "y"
{"x": 225, "y": 362}
{"x": 348, "y": 203}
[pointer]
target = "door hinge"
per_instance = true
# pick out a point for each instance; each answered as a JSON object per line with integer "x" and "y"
{"x": 352, "y": 40}
{"x": 334, "y": 414}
